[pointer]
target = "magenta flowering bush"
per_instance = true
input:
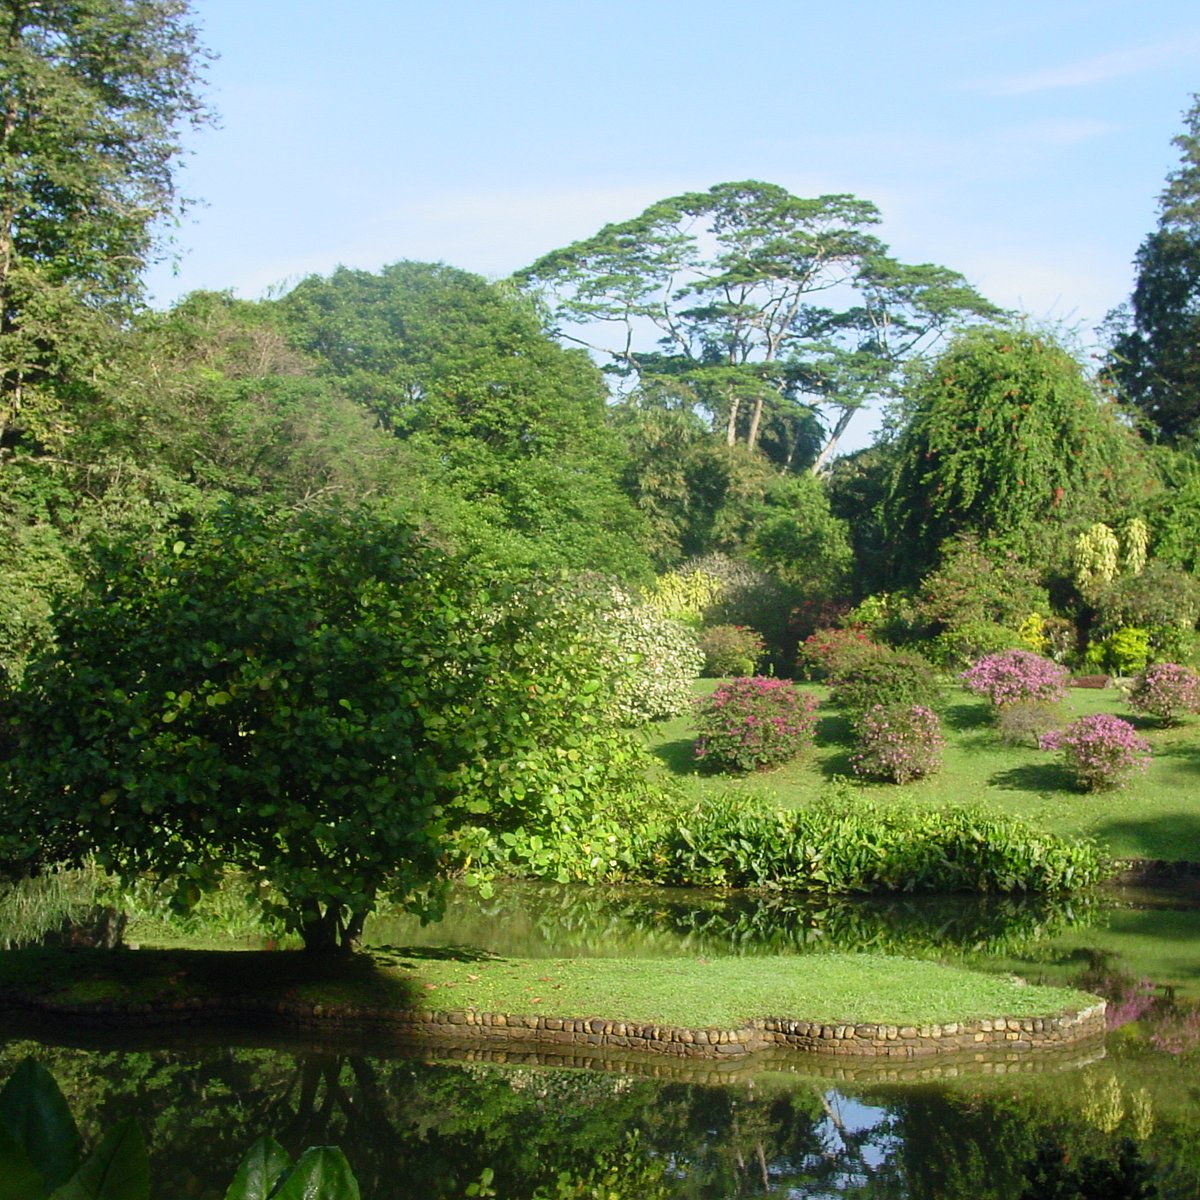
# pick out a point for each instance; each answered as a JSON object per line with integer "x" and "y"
{"x": 1017, "y": 677}
{"x": 1101, "y": 750}
{"x": 898, "y": 743}
{"x": 1166, "y": 691}
{"x": 754, "y": 722}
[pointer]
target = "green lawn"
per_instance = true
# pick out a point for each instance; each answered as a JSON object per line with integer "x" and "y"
{"x": 693, "y": 992}
{"x": 1156, "y": 816}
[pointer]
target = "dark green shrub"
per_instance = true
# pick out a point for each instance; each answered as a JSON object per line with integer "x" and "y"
{"x": 730, "y": 650}
{"x": 886, "y": 678}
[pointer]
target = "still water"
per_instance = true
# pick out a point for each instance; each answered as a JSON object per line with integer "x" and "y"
{"x": 413, "y": 1125}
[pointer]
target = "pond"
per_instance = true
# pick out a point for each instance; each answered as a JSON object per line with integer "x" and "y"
{"x": 416, "y": 1124}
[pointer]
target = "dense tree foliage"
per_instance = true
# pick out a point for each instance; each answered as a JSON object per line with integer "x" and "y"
{"x": 1156, "y": 351}
{"x": 735, "y": 283}
{"x": 318, "y": 699}
{"x": 461, "y": 370}
{"x": 1005, "y": 438}
{"x": 94, "y": 96}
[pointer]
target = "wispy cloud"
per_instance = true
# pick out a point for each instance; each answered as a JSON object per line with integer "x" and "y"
{"x": 1097, "y": 69}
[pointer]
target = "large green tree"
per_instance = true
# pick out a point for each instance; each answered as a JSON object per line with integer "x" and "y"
{"x": 767, "y": 305}
{"x": 1005, "y": 438}
{"x": 1155, "y": 356}
{"x": 462, "y": 372}
{"x": 94, "y": 95}
{"x": 320, "y": 699}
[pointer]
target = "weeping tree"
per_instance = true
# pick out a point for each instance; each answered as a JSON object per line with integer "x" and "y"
{"x": 1003, "y": 437}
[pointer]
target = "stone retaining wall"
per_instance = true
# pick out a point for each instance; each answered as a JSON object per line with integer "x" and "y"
{"x": 879, "y": 1041}
{"x": 466, "y": 1025}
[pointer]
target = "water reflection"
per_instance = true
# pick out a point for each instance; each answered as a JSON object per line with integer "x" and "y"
{"x": 414, "y": 1128}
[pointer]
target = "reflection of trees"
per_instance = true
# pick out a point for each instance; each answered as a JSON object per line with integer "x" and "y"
{"x": 413, "y": 1129}
{"x": 524, "y": 919}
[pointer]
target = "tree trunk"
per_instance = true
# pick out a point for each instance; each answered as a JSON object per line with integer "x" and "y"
{"x": 755, "y": 419}
{"x": 844, "y": 418}
{"x": 731, "y": 427}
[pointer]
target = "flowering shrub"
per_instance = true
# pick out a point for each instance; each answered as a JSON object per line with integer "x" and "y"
{"x": 829, "y": 652}
{"x": 1101, "y": 750}
{"x": 755, "y": 722}
{"x": 649, "y": 660}
{"x": 965, "y": 644}
{"x": 898, "y": 743}
{"x": 1017, "y": 677}
{"x": 1166, "y": 691}
{"x": 730, "y": 650}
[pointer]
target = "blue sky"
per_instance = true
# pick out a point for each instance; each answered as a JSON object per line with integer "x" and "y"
{"x": 1023, "y": 144}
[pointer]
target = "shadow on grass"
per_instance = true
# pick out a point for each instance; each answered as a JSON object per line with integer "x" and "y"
{"x": 393, "y": 954}
{"x": 678, "y": 756}
{"x": 1035, "y": 777}
{"x": 126, "y": 981}
{"x": 837, "y": 765}
{"x": 965, "y": 716}
{"x": 834, "y": 729}
{"x": 1173, "y": 838}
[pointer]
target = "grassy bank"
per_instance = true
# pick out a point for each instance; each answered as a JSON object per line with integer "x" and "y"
{"x": 1157, "y": 816}
{"x": 697, "y": 993}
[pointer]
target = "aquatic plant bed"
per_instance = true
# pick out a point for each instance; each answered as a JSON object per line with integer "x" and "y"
{"x": 835, "y": 1003}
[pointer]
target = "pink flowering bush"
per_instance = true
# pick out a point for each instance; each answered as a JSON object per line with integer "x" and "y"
{"x": 1166, "y": 691}
{"x": 1017, "y": 677}
{"x": 898, "y": 743}
{"x": 754, "y": 722}
{"x": 1101, "y": 750}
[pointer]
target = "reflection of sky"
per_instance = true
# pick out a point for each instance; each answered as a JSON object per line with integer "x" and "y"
{"x": 857, "y": 1137}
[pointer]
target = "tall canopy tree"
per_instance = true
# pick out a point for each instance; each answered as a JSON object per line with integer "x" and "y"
{"x": 462, "y": 371}
{"x": 94, "y": 95}
{"x": 1155, "y": 356}
{"x": 1006, "y": 439}
{"x": 765, "y": 304}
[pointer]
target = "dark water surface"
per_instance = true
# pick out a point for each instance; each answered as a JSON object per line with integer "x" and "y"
{"x": 418, "y": 1126}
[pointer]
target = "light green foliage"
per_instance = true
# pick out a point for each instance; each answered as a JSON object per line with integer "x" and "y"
{"x": 1136, "y": 540}
{"x": 970, "y": 641}
{"x": 95, "y": 95}
{"x": 1125, "y": 651}
{"x": 1005, "y": 438}
{"x": 738, "y": 841}
{"x": 650, "y": 659}
{"x": 684, "y": 597}
{"x": 1095, "y": 557}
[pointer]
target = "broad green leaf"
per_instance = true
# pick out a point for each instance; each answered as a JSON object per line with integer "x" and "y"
{"x": 35, "y": 1114}
{"x": 259, "y": 1170}
{"x": 19, "y": 1178}
{"x": 117, "y": 1169}
{"x": 321, "y": 1173}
